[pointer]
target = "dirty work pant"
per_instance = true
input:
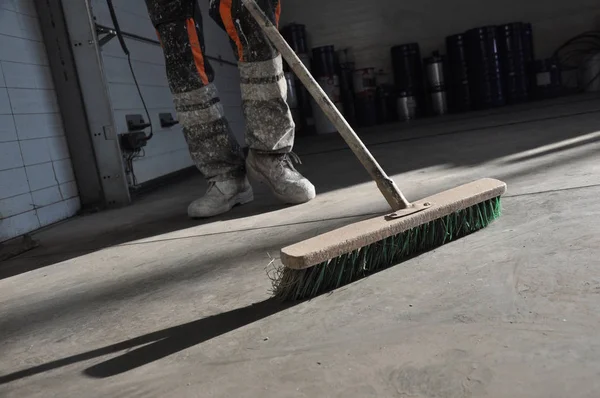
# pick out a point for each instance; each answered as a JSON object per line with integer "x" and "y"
{"x": 270, "y": 127}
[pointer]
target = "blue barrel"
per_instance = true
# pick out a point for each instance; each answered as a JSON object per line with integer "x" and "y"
{"x": 483, "y": 60}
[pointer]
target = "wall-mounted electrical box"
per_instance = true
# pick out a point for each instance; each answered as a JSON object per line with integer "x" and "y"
{"x": 136, "y": 138}
{"x": 131, "y": 142}
{"x": 167, "y": 120}
{"x": 136, "y": 123}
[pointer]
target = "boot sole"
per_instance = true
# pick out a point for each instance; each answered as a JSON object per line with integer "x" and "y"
{"x": 257, "y": 176}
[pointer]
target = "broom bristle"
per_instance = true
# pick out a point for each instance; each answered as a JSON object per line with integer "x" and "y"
{"x": 290, "y": 284}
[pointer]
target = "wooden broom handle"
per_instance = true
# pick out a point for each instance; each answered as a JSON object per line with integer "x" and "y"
{"x": 386, "y": 185}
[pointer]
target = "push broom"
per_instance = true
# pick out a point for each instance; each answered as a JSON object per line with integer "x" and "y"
{"x": 344, "y": 255}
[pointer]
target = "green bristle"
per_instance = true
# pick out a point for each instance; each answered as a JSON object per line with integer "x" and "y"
{"x": 294, "y": 285}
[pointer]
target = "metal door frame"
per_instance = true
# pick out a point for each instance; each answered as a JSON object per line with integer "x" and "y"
{"x": 73, "y": 49}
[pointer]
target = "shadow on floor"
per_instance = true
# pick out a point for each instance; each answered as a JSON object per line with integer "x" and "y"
{"x": 158, "y": 213}
{"x": 164, "y": 211}
{"x": 157, "y": 345}
{"x": 460, "y": 143}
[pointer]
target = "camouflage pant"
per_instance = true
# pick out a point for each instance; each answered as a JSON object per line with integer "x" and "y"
{"x": 270, "y": 127}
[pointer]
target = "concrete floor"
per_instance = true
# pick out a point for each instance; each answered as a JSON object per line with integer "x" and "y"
{"x": 142, "y": 302}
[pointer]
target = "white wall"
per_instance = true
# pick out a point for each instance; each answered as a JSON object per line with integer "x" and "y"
{"x": 37, "y": 186}
{"x": 373, "y": 27}
{"x": 167, "y": 152}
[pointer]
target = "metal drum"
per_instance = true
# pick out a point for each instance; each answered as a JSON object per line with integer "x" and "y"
{"x": 485, "y": 78}
{"x": 346, "y": 61}
{"x": 408, "y": 72}
{"x": 364, "y": 80}
{"x": 325, "y": 73}
{"x": 331, "y": 86}
{"x": 436, "y": 84}
{"x": 459, "y": 93}
{"x": 514, "y": 60}
{"x": 548, "y": 79}
{"x": 295, "y": 35}
{"x": 365, "y": 91}
{"x": 407, "y": 106}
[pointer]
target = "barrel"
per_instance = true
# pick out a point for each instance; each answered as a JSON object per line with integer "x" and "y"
{"x": 529, "y": 53}
{"x": 331, "y": 86}
{"x": 347, "y": 94}
{"x": 304, "y": 118}
{"x": 548, "y": 82}
{"x": 292, "y": 101}
{"x": 295, "y": 35}
{"x": 364, "y": 81}
{"x": 407, "y": 105}
{"x": 346, "y": 66}
{"x": 483, "y": 60}
{"x": 590, "y": 73}
{"x": 387, "y": 111}
{"x": 511, "y": 50}
{"x": 325, "y": 71}
{"x": 436, "y": 83}
{"x": 408, "y": 71}
{"x": 459, "y": 94}
{"x": 366, "y": 109}
{"x": 323, "y": 60}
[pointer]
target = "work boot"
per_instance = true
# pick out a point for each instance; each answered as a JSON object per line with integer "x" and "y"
{"x": 221, "y": 197}
{"x": 279, "y": 174}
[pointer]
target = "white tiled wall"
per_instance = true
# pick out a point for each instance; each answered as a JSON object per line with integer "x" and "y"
{"x": 37, "y": 186}
{"x": 167, "y": 152}
{"x": 371, "y": 28}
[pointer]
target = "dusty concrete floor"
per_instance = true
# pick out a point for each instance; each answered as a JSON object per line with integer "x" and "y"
{"x": 141, "y": 302}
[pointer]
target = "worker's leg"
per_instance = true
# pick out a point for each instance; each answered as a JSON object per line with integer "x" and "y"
{"x": 270, "y": 126}
{"x": 214, "y": 150}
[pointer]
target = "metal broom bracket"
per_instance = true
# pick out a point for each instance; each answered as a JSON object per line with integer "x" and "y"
{"x": 414, "y": 208}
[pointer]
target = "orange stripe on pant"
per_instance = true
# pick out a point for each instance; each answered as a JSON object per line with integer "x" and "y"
{"x": 225, "y": 11}
{"x": 196, "y": 49}
{"x": 277, "y": 13}
{"x": 158, "y": 36}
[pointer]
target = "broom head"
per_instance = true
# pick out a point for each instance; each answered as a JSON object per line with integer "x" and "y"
{"x": 342, "y": 256}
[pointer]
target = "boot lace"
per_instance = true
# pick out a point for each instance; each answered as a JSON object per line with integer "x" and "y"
{"x": 290, "y": 159}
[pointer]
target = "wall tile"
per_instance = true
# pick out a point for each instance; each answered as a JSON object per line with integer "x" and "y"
{"x": 9, "y": 23}
{"x": 13, "y": 182}
{"x": 16, "y": 205}
{"x": 4, "y": 102}
{"x": 19, "y": 75}
{"x": 19, "y": 25}
{"x": 41, "y": 176}
{"x": 16, "y": 49}
{"x": 35, "y": 151}
{"x": 35, "y": 169}
{"x": 21, "y": 6}
{"x": 29, "y": 27}
{"x": 39, "y": 126}
{"x": 69, "y": 190}
{"x": 10, "y": 155}
{"x": 54, "y": 213}
{"x": 8, "y": 131}
{"x": 2, "y": 82}
{"x": 18, "y": 225}
{"x": 73, "y": 206}
{"x": 58, "y": 148}
{"x": 47, "y": 196}
{"x": 63, "y": 171}
{"x": 28, "y": 101}
{"x": 42, "y": 150}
